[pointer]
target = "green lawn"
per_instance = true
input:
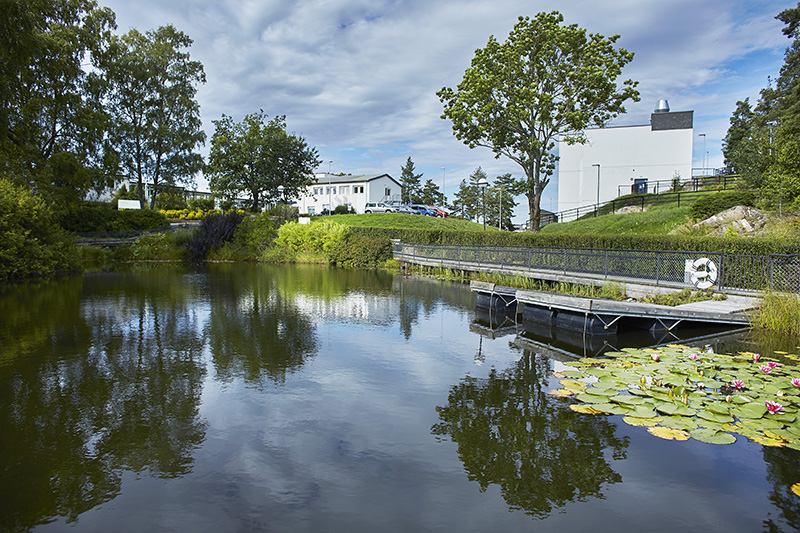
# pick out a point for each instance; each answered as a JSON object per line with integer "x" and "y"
{"x": 400, "y": 220}
{"x": 655, "y": 221}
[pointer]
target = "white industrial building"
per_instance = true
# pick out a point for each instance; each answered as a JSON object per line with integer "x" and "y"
{"x": 627, "y": 158}
{"x": 330, "y": 191}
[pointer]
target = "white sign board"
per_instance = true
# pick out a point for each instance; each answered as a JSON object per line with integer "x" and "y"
{"x": 128, "y": 204}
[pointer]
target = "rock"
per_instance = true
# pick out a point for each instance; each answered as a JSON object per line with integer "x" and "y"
{"x": 736, "y": 220}
{"x": 629, "y": 209}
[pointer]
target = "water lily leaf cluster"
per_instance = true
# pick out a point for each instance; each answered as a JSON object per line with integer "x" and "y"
{"x": 680, "y": 393}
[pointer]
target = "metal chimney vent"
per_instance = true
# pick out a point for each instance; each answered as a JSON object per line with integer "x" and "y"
{"x": 663, "y": 107}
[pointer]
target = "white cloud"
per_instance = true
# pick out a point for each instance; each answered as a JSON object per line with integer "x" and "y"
{"x": 358, "y": 78}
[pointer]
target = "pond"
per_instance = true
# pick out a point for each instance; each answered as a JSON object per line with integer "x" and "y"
{"x": 291, "y": 398}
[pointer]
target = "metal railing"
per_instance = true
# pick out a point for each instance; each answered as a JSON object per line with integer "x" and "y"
{"x": 749, "y": 273}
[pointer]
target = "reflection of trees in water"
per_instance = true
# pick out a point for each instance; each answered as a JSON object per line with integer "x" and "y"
{"x": 783, "y": 471}
{"x": 419, "y": 296}
{"x": 116, "y": 388}
{"x": 255, "y": 331}
{"x": 510, "y": 432}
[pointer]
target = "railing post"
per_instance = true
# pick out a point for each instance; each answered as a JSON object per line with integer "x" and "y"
{"x": 658, "y": 267}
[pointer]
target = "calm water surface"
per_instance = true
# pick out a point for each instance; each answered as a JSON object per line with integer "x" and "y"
{"x": 262, "y": 398}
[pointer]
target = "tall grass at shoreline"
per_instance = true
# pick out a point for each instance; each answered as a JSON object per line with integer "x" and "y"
{"x": 778, "y": 312}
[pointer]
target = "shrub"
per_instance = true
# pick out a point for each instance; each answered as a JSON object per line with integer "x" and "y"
{"x": 313, "y": 238}
{"x": 31, "y": 243}
{"x": 360, "y": 251}
{"x": 92, "y": 218}
{"x": 201, "y": 204}
{"x": 343, "y": 210}
{"x": 284, "y": 211}
{"x": 213, "y": 231}
{"x": 708, "y": 206}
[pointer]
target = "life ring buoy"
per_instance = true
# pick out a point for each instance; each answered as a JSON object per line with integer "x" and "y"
{"x": 703, "y": 273}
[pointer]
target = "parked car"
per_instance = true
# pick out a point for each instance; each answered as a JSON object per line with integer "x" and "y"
{"x": 377, "y": 207}
{"x": 420, "y": 209}
{"x": 440, "y": 212}
{"x": 405, "y": 209}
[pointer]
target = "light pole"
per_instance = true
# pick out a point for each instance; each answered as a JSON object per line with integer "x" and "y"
{"x": 444, "y": 198}
{"x": 483, "y": 183}
{"x": 330, "y": 202}
{"x": 703, "y": 135}
{"x": 598, "y": 184}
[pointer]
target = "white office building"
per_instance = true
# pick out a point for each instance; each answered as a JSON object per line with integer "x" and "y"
{"x": 330, "y": 191}
{"x": 625, "y": 159}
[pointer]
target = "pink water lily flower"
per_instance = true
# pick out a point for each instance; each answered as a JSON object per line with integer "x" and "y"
{"x": 738, "y": 384}
{"x": 796, "y": 382}
{"x": 693, "y": 357}
{"x": 773, "y": 407}
{"x": 772, "y": 364}
{"x": 655, "y": 357}
{"x": 701, "y": 385}
{"x": 766, "y": 369}
{"x": 756, "y": 357}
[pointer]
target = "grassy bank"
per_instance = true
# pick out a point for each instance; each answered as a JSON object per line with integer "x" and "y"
{"x": 778, "y": 312}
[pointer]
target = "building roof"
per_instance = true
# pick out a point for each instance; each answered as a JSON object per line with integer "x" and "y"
{"x": 322, "y": 179}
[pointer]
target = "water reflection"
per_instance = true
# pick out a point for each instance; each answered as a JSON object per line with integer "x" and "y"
{"x": 111, "y": 383}
{"x": 256, "y": 331}
{"x": 510, "y": 432}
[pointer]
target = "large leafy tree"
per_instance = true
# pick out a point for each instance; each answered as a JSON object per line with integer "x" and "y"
{"x": 546, "y": 81}
{"x": 156, "y": 119}
{"x": 52, "y": 120}
{"x": 410, "y": 183}
{"x": 256, "y": 156}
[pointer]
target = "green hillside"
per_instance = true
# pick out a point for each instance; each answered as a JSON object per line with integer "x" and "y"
{"x": 401, "y": 220}
{"x": 654, "y": 221}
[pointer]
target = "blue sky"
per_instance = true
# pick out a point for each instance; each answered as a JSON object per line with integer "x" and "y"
{"x": 357, "y": 78}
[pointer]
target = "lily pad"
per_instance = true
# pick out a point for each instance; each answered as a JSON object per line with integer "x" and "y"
{"x": 644, "y": 422}
{"x": 750, "y": 410}
{"x": 584, "y": 409}
{"x": 610, "y": 408}
{"x": 714, "y": 417}
{"x": 678, "y": 422}
{"x": 575, "y": 374}
{"x": 573, "y": 384}
{"x": 669, "y": 408}
{"x": 668, "y": 433}
{"x": 643, "y": 411}
{"x": 712, "y": 436}
{"x": 561, "y": 393}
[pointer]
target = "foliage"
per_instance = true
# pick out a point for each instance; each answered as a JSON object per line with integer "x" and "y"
{"x": 52, "y": 120}
{"x": 310, "y": 238}
{"x": 200, "y": 204}
{"x": 214, "y": 231}
{"x": 410, "y": 184}
{"x": 284, "y": 211}
{"x": 678, "y": 392}
{"x": 90, "y": 218}
{"x": 545, "y": 81}
{"x": 430, "y": 194}
{"x": 343, "y": 210}
{"x": 778, "y": 312}
{"x": 500, "y": 201}
{"x": 685, "y": 296}
{"x": 155, "y": 117}
{"x": 468, "y": 201}
{"x": 31, "y": 243}
{"x": 708, "y": 206}
{"x": 159, "y": 247}
{"x": 255, "y": 157}
{"x": 360, "y": 251}
{"x": 171, "y": 199}
{"x": 761, "y": 142}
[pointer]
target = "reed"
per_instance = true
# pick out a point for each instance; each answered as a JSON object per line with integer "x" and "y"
{"x": 778, "y": 312}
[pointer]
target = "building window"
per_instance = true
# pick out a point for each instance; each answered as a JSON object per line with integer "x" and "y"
{"x": 358, "y": 189}
{"x": 330, "y": 190}
{"x": 310, "y": 210}
{"x": 344, "y": 189}
{"x": 387, "y": 192}
{"x": 317, "y": 190}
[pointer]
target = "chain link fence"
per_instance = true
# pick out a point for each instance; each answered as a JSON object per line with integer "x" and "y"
{"x": 733, "y": 272}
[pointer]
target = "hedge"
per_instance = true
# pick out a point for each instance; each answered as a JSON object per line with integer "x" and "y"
{"x": 729, "y": 245}
{"x": 90, "y": 218}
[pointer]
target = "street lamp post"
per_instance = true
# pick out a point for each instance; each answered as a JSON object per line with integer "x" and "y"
{"x": 483, "y": 183}
{"x": 330, "y": 202}
{"x": 598, "y": 185}
{"x": 444, "y": 198}
{"x": 703, "y": 135}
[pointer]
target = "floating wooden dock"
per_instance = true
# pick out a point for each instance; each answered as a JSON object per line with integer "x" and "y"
{"x": 595, "y": 316}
